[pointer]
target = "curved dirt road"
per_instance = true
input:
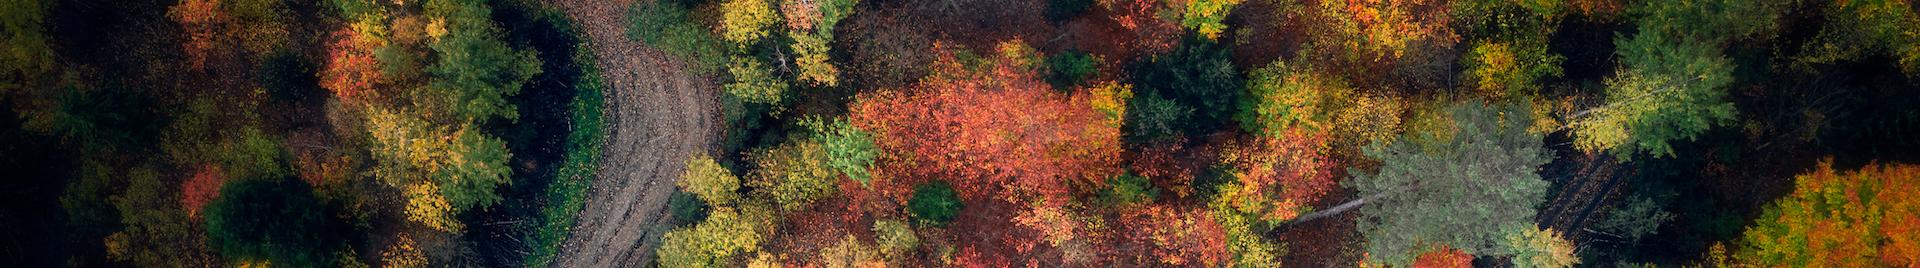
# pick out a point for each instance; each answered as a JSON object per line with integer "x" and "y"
{"x": 659, "y": 115}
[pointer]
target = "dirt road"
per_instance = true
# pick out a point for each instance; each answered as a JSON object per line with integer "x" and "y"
{"x": 660, "y": 114}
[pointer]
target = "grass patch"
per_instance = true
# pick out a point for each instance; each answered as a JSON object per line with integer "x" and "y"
{"x": 568, "y": 193}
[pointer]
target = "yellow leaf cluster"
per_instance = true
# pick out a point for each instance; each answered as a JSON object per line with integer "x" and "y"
{"x": 745, "y": 21}
{"x": 427, "y": 207}
{"x": 403, "y": 254}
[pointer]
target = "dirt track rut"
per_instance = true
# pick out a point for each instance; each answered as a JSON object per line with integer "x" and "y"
{"x": 659, "y": 114}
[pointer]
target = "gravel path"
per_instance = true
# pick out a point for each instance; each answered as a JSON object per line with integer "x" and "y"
{"x": 660, "y": 114}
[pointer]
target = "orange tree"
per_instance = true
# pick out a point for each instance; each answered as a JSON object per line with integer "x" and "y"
{"x": 993, "y": 130}
{"x": 1862, "y": 218}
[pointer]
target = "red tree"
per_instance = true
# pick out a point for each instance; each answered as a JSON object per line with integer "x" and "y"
{"x": 201, "y": 188}
{"x": 351, "y": 69}
{"x": 993, "y": 130}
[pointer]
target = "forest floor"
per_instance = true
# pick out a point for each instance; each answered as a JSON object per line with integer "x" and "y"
{"x": 658, "y": 115}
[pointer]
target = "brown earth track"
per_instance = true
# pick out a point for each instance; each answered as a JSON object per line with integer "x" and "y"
{"x": 658, "y": 114}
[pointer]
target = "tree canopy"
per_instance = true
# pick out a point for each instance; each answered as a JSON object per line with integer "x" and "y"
{"x": 1434, "y": 192}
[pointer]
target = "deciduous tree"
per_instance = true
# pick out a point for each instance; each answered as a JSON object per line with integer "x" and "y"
{"x": 1861, "y": 218}
{"x": 991, "y": 128}
{"x": 793, "y": 175}
{"x": 1540, "y": 248}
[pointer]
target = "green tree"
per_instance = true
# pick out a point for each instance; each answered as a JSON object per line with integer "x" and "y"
{"x": 754, "y": 82}
{"x": 1199, "y": 75}
{"x": 849, "y": 149}
{"x": 476, "y": 70}
{"x": 1671, "y": 89}
{"x": 1858, "y": 28}
{"x": 1674, "y": 78}
{"x": 1071, "y": 69}
{"x": 275, "y": 219}
{"x": 934, "y": 203}
{"x": 1461, "y": 192}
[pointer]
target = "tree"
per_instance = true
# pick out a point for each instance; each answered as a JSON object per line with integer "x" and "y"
{"x": 793, "y": 175}
{"x": 1861, "y": 218}
{"x": 1674, "y": 79}
{"x": 1246, "y": 247}
{"x": 351, "y": 69}
{"x": 1858, "y": 28}
{"x": 1071, "y": 69}
{"x": 849, "y": 149}
{"x": 156, "y": 232}
{"x": 726, "y": 233}
{"x": 475, "y": 71}
{"x": 1376, "y": 29}
{"x": 1281, "y": 99}
{"x": 463, "y": 166}
{"x": 1206, "y": 16}
{"x": 1459, "y": 192}
{"x": 1198, "y": 75}
{"x": 28, "y": 52}
{"x": 993, "y": 130}
{"x": 1671, "y": 89}
{"x": 272, "y": 219}
{"x": 1164, "y": 236}
{"x": 1511, "y": 71}
{"x": 754, "y": 82}
{"x": 1540, "y": 248}
{"x": 744, "y": 22}
{"x": 1278, "y": 178}
{"x": 810, "y": 25}
{"x": 934, "y": 203}
{"x": 709, "y": 181}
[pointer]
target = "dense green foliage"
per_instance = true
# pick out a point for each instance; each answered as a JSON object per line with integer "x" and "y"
{"x": 1198, "y": 75}
{"x": 1071, "y": 69}
{"x": 934, "y": 203}
{"x": 1462, "y": 192}
{"x": 669, "y": 27}
{"x": 849, "y": 149}
{"x": 272, "y": 219}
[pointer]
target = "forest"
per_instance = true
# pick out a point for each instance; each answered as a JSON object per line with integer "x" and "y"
{"x": 960, "y": 133}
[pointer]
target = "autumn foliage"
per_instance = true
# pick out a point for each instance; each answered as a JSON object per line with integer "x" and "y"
{"x": 201, "y": 189}
{"x": 1863, "y": 218}
{"x": 990, "y": 129}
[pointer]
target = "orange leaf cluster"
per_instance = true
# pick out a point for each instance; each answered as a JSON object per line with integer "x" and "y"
{"x": 1855, "y": 219}
{"x": 989, "y": 129}
{"x": 1443, "y": 257}
{"x": 1291, "y": 171}
{"x": 351, "y": 69}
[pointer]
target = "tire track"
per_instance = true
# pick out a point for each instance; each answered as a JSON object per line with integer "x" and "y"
{"x": 659, "y": 114}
